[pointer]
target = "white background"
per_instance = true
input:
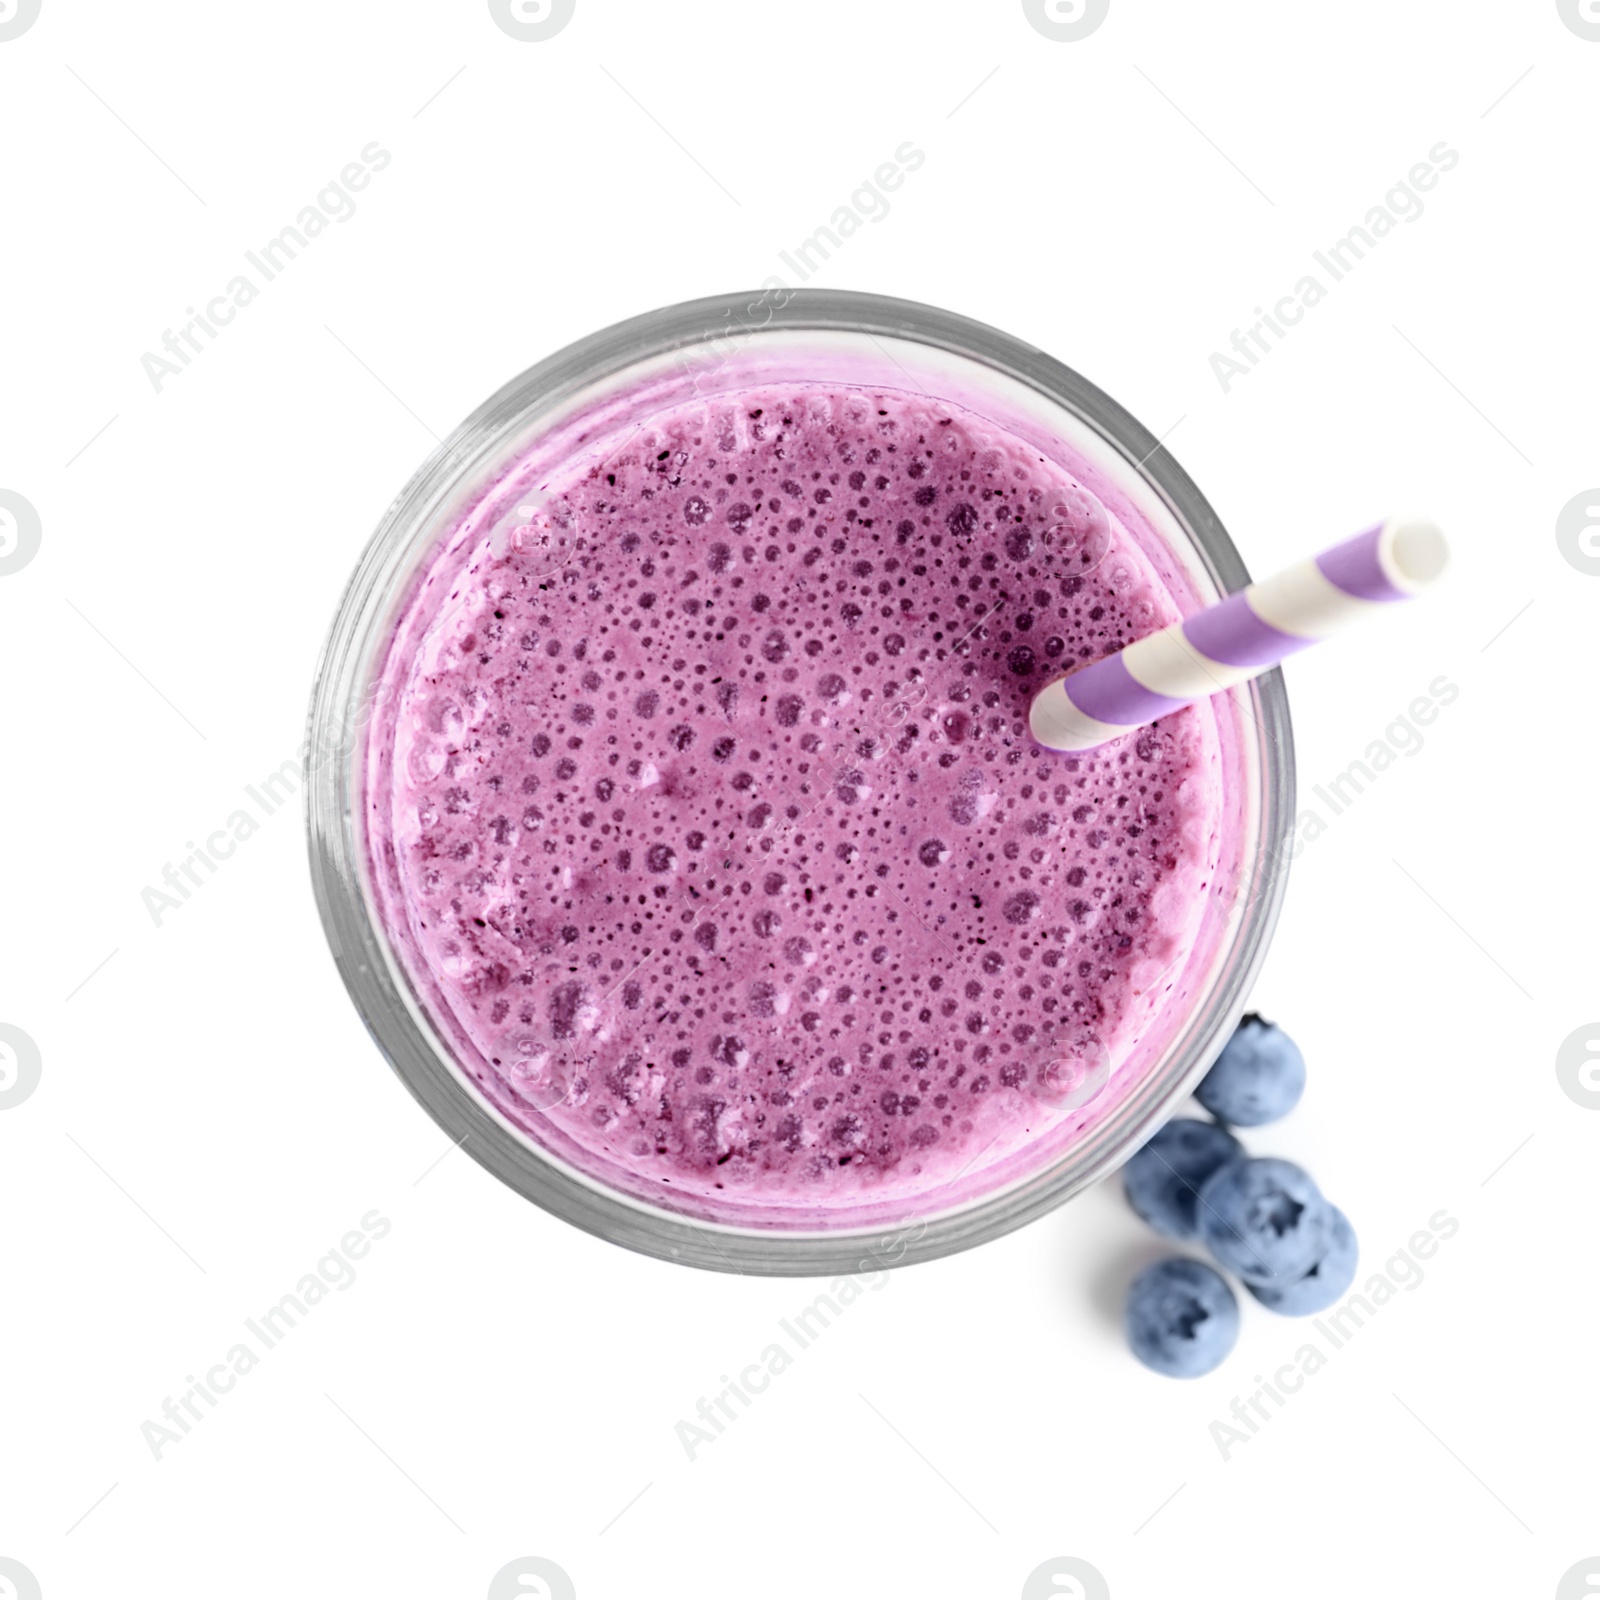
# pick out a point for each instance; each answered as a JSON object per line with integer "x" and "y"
{"x": 212, "y": 1117}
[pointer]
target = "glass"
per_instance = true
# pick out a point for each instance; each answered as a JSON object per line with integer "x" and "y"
{"x": 702, "y": 349}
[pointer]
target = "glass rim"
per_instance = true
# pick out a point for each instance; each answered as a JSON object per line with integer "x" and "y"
{"x": 374, "y": 976}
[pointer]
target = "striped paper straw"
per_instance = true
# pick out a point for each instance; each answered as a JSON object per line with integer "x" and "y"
{"x": 1239, "y": 637}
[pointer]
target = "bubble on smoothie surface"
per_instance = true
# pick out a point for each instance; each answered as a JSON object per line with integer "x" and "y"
{"x": 726, "y": 843}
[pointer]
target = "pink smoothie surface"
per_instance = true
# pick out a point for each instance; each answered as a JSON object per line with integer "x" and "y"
{"x": 704, "y": 817}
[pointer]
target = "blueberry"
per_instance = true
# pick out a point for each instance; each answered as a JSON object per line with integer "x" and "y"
{"x": 1264, "y": 1219}
{"x": 1163, "y": 1180}
{"x": 1258, "y": 1078}
{"x": 1182, "y": 1318}
{"x": 1323, "y": 1284}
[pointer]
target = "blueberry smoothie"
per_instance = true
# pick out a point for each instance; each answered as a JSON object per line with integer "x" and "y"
{"x": 704, "y": 818}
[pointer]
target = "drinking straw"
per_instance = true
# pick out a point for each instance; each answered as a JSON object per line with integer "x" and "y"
{"x": 1239, "y": 637}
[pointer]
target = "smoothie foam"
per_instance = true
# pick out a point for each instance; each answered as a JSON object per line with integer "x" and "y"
{"x": 704, "y": 816}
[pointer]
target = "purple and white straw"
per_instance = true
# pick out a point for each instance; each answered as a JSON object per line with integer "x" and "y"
{"x": 1239, "y": 637}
